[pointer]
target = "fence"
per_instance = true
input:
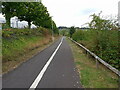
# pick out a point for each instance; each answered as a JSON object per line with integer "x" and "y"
{"x": 98, "y": 59}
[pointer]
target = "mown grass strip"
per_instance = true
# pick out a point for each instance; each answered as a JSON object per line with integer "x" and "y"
{"x": 90, "y": 76}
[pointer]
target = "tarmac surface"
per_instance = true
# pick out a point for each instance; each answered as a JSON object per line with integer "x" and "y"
{"x": 60, "y": 73}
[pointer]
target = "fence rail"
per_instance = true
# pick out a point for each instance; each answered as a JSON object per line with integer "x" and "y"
{"x": 117, "y": 72}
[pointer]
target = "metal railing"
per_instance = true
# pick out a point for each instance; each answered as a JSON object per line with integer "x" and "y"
{"x": 117, "y": 72}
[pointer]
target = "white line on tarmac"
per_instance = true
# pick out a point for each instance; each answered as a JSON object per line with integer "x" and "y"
{"x": 39, "y": 77}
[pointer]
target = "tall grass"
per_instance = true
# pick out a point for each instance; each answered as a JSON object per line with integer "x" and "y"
{"x": 19, "y": 45}
{"x": 16, "y": 42}
{"x": 13, "y": 48}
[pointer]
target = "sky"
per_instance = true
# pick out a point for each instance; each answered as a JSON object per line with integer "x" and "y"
{"x": 76, "y": 12}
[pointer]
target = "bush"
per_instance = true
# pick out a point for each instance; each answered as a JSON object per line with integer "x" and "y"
{"x": 103, "y": 43}
{"x": 79, "y": 35}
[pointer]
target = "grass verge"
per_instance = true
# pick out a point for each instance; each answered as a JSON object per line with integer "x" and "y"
{"x": 21, "y": 49}
{"x": 90, "y": 76}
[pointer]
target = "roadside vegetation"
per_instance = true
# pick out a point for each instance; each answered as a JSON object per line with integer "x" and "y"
{"x": 90, "y": 76}
{"x": 16, "y": 40}
{"x": 32, "y": 12}
{"x": 102, "y": 43}
{"x": 102, "y": 39}
{"x": 18, "y": 45}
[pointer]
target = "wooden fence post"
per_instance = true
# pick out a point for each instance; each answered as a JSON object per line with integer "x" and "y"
{"x": 87, "y": 53}
{"x": 97, "y": 62}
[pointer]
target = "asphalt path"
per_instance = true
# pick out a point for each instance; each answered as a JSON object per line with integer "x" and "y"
{"x": 51, "y": 68}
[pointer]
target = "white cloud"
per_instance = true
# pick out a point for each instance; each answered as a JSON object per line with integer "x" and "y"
{"x": 76, "y": 12}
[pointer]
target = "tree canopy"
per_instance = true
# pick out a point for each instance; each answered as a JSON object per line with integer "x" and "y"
{"x": 32, "y": 12}
{"x": 99, "y": 23}
{"x": 72, "y": 31}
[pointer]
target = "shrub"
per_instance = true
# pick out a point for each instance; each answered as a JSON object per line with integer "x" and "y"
{"x": 79, "y": 35}
{"x": 103, "y": 43}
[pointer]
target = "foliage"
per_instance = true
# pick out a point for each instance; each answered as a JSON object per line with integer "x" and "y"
{"x": 102, "y": 39}
{"x": 14, "y": 33}
{"x": 32, "y": 12}
{"x": 99, "y": 23}
{"x": 64, "y": 32}
{"x": 72, "y": 31}
{"x": 90, "y": 77}
{"x": 104, "y": 43}
{"x": 78, "y": 35}
{"x": 16, "y": 40}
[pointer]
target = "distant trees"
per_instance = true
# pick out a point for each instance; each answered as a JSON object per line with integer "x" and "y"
{"x": 34, "y": 12}
{"x": 72, "y": 31}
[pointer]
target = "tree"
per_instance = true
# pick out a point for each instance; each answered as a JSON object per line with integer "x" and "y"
{"x": 98, "y": 23}
{"x": 0, "y": 7}
{"x": 55, "y": 29}
{"x": 30, "y": 9}
{"x": 72, "y": 31}
{"x": 34, "y": 12}
{"x": 8, "y": 10}
{"x": 42, "y": 17}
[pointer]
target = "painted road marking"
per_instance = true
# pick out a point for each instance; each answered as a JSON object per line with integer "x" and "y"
{"x": 39, "y": 77}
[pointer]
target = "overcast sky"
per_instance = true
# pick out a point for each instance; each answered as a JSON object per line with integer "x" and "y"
{"x": 77, "y": 12}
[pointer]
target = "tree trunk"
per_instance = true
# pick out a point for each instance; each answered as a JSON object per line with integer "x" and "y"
{"x": 8, "y": 22}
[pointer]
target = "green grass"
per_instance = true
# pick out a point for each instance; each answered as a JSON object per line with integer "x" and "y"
{"x": 18, "y": 45}
{"x": 16, "y": 51}
{"x": 90, "y": 76}
{"x": 11, "y": 48}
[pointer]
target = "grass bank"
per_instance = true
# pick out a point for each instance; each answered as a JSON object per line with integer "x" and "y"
{"x": 20, "y": 45}
{"x": 90, "y": 76}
